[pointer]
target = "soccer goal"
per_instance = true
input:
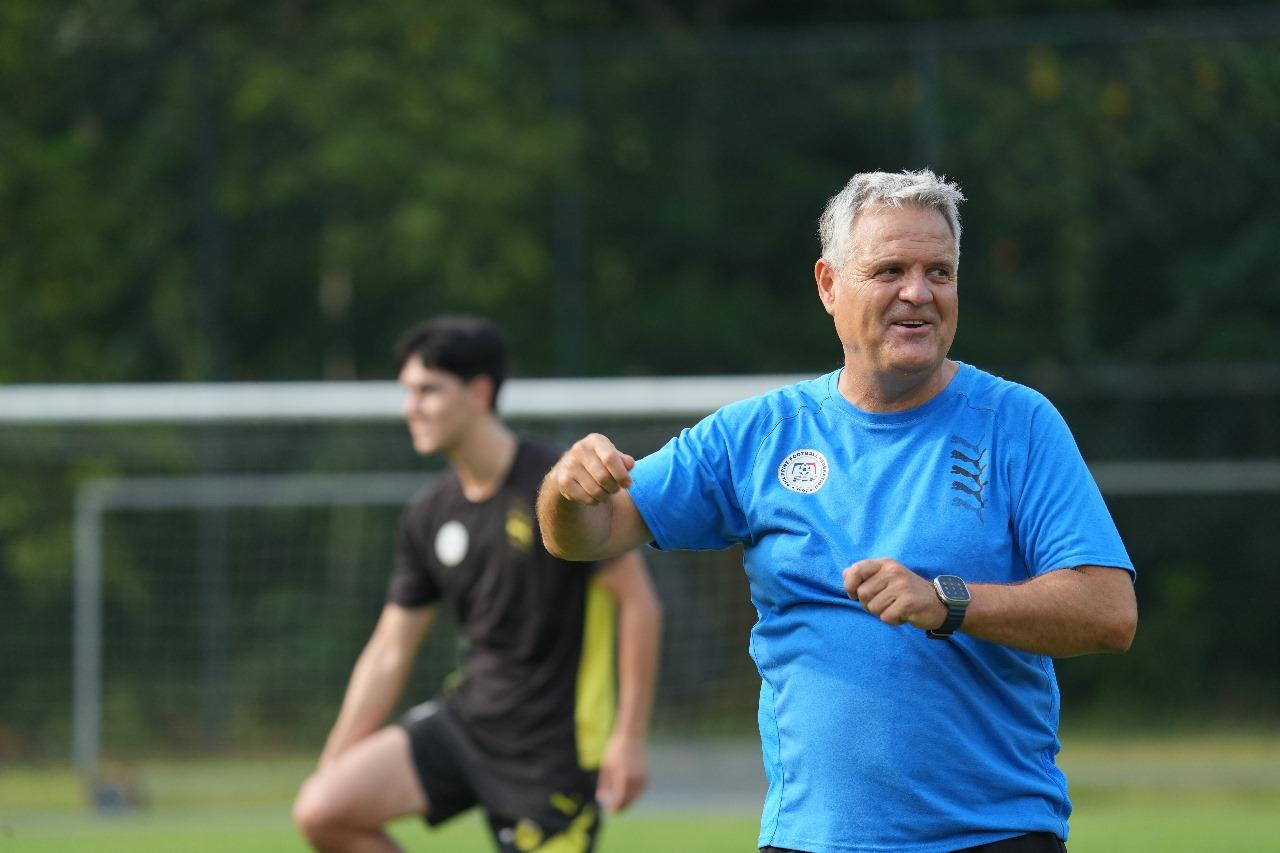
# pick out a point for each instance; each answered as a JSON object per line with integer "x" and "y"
{"x": 210, "y": 559}
{"x": 222, "y": 611}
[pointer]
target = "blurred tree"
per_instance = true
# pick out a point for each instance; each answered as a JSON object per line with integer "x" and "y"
{"x": 208, "y": 188}
{"x": 1117, "y": 213}
{"x": 383, "y": 164}
{"x": 80, "y": 155}
{"x": 368, "y": 165}
{"x": 271, "y": 191}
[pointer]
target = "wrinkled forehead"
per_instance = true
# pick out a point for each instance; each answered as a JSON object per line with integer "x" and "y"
{"x": 885, "y": 226}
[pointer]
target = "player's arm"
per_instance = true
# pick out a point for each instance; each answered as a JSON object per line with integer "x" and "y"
{"x": 379, "y": 676}
{"x": 584, "y": 510}
{"x": 625, "y": 769}
{"x": 1076, "y": 611}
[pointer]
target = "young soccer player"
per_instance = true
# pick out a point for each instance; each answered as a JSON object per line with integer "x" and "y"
{"x": 529, "y": 734}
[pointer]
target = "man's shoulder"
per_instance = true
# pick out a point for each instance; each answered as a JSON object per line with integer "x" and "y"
{"x": 781, "y": 403}
{"x": 985, "y": 390}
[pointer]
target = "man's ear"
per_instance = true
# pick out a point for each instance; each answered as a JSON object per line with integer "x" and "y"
{"x": 826, "y": 275}
{"x": 481, "y": 388}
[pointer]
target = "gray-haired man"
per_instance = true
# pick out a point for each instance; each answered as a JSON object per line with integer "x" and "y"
{"x": 921, "y": 538}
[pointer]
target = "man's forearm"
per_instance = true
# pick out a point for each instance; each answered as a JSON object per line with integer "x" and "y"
{"x": 366, "y": 705}
{"x": 1063, "y": 613}
{"x": 584, "y": 510}
{"x": 572, "y": 530}
{"x": 375, "y": 686}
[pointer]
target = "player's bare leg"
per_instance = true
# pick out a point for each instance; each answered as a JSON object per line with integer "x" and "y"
{"x": 343, "y": 807}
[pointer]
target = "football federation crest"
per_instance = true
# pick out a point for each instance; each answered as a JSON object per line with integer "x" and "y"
{"x": 804, "y": 471}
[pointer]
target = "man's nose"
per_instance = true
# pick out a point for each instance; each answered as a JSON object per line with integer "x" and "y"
{"x": 915, "y": 288}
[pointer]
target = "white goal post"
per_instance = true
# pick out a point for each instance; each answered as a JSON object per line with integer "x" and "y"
{"x": 524, "y": 399}
{"x": 96, "y": 498}
{"x": 226, "y": 403}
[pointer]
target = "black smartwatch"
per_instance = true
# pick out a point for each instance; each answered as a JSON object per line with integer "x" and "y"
{"x": 954, "y": 593}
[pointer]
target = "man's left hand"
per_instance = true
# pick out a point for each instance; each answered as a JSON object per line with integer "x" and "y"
{"x": 894, "y": 593}
{"x": 624, "y": 773}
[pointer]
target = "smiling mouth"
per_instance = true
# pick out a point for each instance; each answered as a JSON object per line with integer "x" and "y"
{"x": 911, "y": 324}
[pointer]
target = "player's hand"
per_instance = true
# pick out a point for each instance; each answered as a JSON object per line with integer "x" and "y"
{"x": 591, "y": 470}
{"x": 897, "y": 595}
{"x": 624, "y": 773}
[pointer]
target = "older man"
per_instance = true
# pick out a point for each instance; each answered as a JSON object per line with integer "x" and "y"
{"x": 921, "y": 538}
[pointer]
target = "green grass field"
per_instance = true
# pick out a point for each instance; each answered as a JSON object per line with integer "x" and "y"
{"x": 1189, "y": 793}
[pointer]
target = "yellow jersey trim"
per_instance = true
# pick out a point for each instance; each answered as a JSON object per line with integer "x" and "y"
{"x": 596, "y": 699}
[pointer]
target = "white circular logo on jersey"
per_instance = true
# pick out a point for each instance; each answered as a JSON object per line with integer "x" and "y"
{"x": 451, "y": 543}
{"x": 803, "y": 471}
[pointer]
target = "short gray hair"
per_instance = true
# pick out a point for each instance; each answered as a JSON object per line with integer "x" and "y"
{"x": 922, "y": 189}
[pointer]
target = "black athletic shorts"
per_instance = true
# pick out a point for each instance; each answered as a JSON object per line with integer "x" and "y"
{"x": 1032, "y": 842}
{"x": 523, "y": 816}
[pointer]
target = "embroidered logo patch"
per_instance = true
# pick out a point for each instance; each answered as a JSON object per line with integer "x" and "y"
{"x": 804, "y": 471}
{"x": 451, "y": 543}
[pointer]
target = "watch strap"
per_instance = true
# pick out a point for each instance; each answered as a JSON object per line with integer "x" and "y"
{"x": 955, "y": 615}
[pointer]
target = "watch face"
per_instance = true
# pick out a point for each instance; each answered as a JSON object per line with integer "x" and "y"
{"x": 952, "y": 589}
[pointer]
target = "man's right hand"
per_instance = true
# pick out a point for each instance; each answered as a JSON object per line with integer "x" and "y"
{"x": 591, "y": 470}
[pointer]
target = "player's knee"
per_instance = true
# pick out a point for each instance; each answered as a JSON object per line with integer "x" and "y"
{"x": 315, "y": 815}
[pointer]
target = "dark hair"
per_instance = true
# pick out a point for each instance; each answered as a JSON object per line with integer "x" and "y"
{"x": 465, "y": 346}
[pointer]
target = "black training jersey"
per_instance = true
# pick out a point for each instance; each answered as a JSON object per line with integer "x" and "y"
{"x": 537, "y": 673}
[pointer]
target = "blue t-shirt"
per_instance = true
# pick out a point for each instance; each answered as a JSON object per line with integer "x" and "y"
{"x": 875, "y": 737}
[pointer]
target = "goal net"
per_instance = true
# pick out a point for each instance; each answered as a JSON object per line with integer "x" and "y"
{"x": 228, "y": 550}
{"x": 192, "y": 570}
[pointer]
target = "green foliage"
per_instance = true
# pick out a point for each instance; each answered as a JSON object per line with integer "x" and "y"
{"x": 285, "y": 187}
{"x": 216, "y": 189}
{"x": 1114, "y": 201}
{"x": 1194, "y": 656}
{"x": 212, "y": 189}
